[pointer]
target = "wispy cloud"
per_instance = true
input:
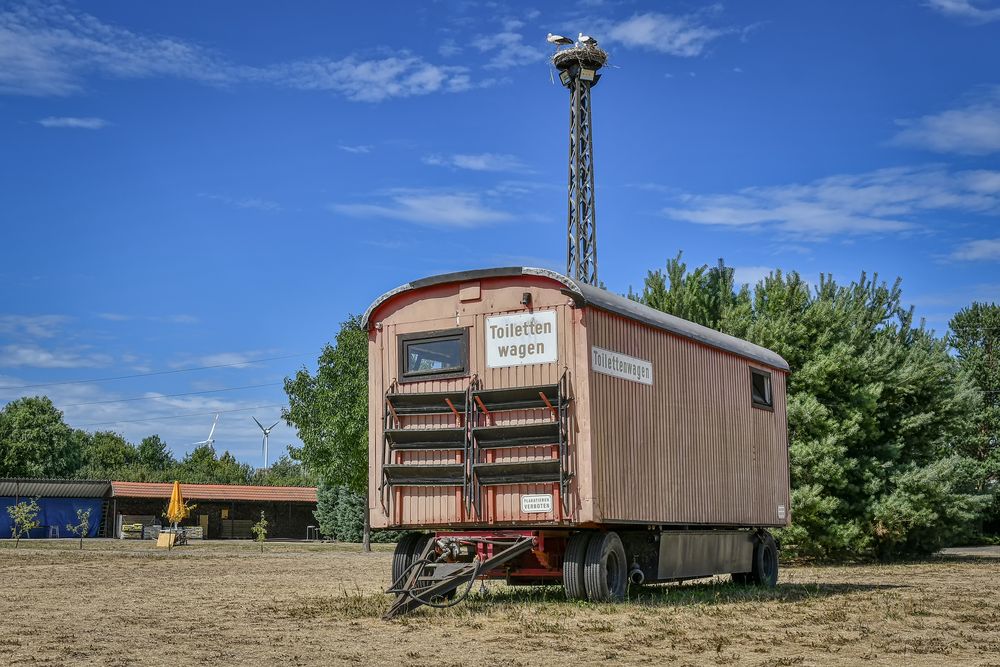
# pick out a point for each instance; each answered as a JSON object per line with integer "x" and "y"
{"x": 967, "y": 10}
{"x": 972, "y": 129}
{"x": 751, "y": 275}
{"x": 365, "y": 80}
{"x": 458, "y": 210}
{"x": 449, "y": 49}
{"x": 508, "y": 49}
{"x": 685, "y": 35}
{"x": 878, "y": 202}
{"x": 359, "y": 149}
{"x": 72, "y": 122}
{"x": 35, "y": 356}
{"x": 51, "y": 50}
{"x": 981, "y": 250}
{"x": 32, "y": 326}
{"x": 478, "y": 162}
{"x": 255, "y": 203}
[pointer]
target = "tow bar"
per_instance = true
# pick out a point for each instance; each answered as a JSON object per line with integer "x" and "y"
{"x": 430, "y": 578}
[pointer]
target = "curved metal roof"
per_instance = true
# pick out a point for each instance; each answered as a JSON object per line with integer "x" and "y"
{"x": 588, "y": 295}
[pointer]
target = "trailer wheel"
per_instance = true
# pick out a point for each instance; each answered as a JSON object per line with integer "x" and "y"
{"x": 403, "y": 555}
{"x": 574, "y": 562}
{"x": 765, "y": 562}
{"x": 605, "y": 574}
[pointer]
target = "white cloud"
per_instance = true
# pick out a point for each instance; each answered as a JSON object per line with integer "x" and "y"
{"x": 449, "y": 49}
{"x": 34, "y": 356}
{"x": 360, "y": 80}
{"x": 72, "y": 122}
{"x": 973, "y": 129}
{"x": 32, "y": 326}
{"x": 751, "y": 275}
{"x": 981, "y": 250}
{"x": 233, "y": 359}
{"x": 360, "y": 149}
{"x": 51, "y": 50}
{"x": 461, "y": 210}
{"x": 686, "y": 36}
{"x": 878, "y": 202}
{"x": 508, "y": 49}
{"x": 477, "y": 162}
{"x": 966, "y": 9}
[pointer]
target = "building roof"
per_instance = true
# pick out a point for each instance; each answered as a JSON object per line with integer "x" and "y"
{"x": 588, "y": 295}
{"x": 291, "y": 494}
{"x": 54, "y": 488}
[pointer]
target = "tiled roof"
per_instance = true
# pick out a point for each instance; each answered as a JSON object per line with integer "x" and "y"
{"x": 293, "y": 494}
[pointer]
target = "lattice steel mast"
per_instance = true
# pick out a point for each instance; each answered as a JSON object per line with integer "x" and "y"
{"x": 578, "y": 71}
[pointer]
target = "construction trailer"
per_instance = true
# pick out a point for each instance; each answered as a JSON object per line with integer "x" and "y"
{"x": 537, "y": 429}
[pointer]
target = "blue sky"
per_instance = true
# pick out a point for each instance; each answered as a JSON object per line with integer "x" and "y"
{"x": 185, "y": 185}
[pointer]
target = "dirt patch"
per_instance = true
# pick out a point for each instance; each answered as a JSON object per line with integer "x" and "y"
{"x": 126, "y": 603}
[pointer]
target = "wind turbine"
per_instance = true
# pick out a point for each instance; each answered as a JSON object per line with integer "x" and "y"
{"x": 210, "y": 441}
{"x": 267, "y": 432}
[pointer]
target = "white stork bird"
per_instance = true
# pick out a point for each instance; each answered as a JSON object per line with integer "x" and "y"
{"x": 558, "y": 39}
{"x": 586, "y": 40}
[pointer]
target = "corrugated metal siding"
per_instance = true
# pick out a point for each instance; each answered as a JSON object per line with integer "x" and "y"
{"x": 53, "y": 488}
{"x": 436, "y": 308}
{"x": 691, "y": 448}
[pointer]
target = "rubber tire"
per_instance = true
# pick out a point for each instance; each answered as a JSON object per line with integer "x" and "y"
{"x": 574, "y": 561}
{"x": 765, "y": 562}
{"x": 606, "y": 571}
{"x": 403, "y": 555}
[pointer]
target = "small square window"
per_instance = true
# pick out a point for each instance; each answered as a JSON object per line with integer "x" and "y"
{"x": 433, "y": 354}
{"x": 760, "y": 389}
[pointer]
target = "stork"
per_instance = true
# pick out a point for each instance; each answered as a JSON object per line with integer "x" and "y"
{"x": 558, "y": 39}
{"x": 586, "y": 40}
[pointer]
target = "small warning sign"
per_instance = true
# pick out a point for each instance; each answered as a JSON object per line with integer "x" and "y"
{"x": 538, "y": 503}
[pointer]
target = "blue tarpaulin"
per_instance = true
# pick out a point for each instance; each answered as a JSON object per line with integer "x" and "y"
{"x": 58, "y": 512}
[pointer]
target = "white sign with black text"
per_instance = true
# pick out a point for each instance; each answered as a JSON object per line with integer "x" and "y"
{"x": 621, "y": 366}
{"x": 538, "y": 503}
{"x": 519, "y": 340}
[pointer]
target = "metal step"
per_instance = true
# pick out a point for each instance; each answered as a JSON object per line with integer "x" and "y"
{"x": 425, "y": 438}
{"x": 517, "y": 435}
{"x": 519, "y": 472}
{"x": 518, "y": 398}
{"x": 429, "y": 403}
{"x": 424, "y": 474}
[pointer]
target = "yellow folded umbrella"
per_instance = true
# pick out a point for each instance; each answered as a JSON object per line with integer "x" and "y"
{"x": 177, "y": 511}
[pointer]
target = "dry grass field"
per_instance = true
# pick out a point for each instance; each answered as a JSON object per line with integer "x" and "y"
{"x": 127, "y": 603}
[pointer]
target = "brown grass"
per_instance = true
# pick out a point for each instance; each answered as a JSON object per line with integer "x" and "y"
{"x": 126, "y": 603}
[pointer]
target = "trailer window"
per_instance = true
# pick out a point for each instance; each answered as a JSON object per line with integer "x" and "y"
{"x": 760, "y": 389}
{"x": 433, "y": 353}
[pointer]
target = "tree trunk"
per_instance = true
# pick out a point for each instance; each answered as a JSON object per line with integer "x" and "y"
{"x": 366, "y": 539}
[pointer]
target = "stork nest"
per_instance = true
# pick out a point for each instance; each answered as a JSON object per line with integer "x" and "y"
{"x": 591, "y": 57}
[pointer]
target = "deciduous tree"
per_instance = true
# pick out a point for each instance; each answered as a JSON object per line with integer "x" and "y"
{"x": 330, "y": 412}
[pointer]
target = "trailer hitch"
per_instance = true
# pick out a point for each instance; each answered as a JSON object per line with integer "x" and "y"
{"x": 432, "y": 577}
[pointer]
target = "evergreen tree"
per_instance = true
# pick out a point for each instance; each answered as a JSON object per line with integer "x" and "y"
{"x": 975, "y": 337}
